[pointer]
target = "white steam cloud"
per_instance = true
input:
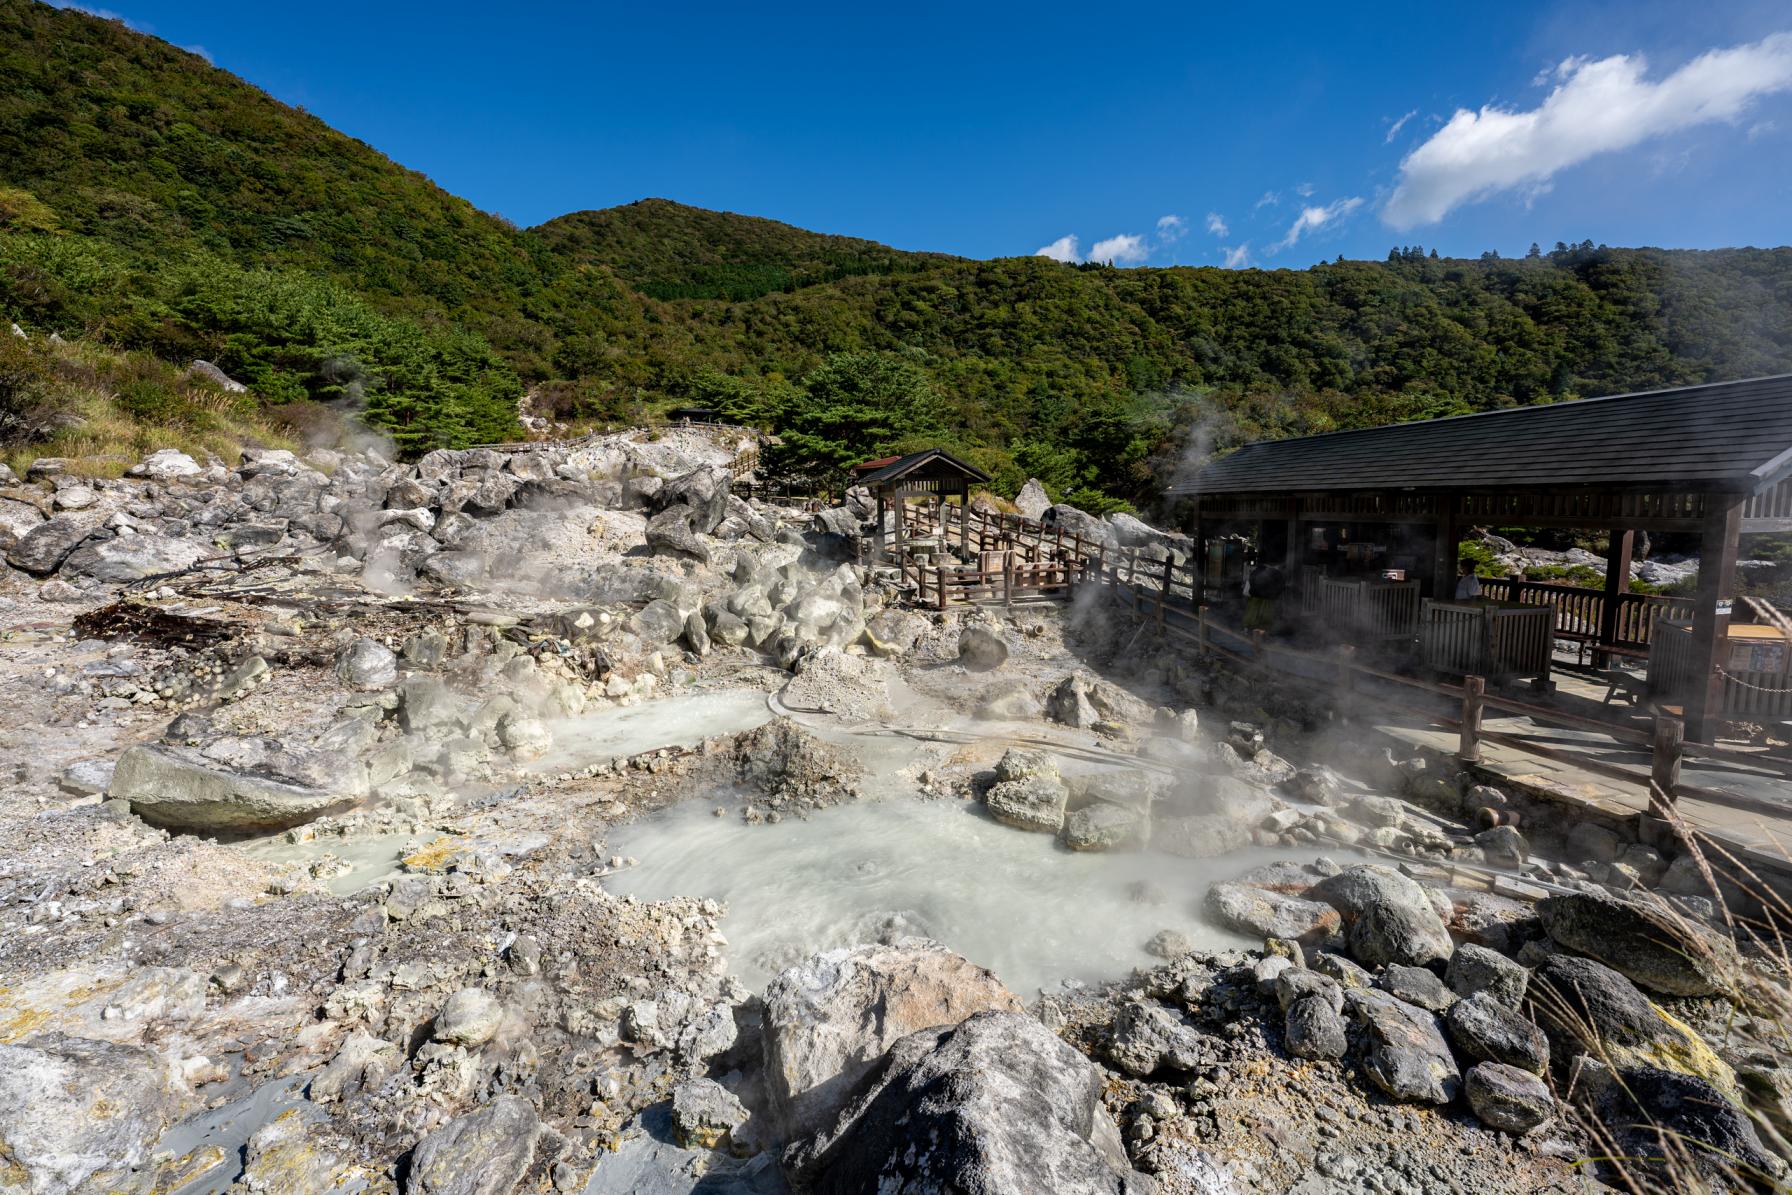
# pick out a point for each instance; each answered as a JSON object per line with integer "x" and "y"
{"x": 1597, "y": 107}
{"x": 1062, "y": 249}
{"x": 1216, "y": 224}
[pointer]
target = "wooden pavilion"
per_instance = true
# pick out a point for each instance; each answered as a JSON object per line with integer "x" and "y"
{"x": 934, "y": 474}
{"x": 1713, "y": 460}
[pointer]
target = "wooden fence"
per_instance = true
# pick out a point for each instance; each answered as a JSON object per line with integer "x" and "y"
{"x": 1580, "y": 611}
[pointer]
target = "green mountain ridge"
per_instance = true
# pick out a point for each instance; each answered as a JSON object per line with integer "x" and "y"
{"x": 161, "y": 205}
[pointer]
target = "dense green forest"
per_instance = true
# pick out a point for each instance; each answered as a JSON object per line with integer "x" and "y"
{"x": 156, "y": 204}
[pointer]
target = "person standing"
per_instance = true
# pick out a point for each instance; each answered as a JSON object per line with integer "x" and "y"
{"x": 1468, "y": 585}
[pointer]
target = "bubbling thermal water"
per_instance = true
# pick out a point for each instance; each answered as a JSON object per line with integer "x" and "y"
{"x": 1017, "y": 903}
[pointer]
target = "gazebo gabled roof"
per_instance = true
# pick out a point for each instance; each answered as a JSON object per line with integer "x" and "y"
{"x": 1734, "y": 437}
{"x": 932, "y": 460}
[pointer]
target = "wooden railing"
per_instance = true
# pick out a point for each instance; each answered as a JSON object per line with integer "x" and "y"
{"x": 1579, "y": 610}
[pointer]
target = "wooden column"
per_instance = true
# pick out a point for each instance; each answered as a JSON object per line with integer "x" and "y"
{"x": 1717, "y": 575}
{"x": 964, "y": 524}
{"x": 879, "y": 539}
{"x": 898, "y": 506}
{"x": 1617, "y": 583}
{"x": 1449, "y": 543}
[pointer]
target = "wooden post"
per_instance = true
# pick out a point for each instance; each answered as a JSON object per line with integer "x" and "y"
{"x": 1449, "y": 545}
{"x": 1664, "y": 764}
{"x": 1717, "y": 571}
{"x": 1468, "y": 749}
{"x": 1617, "y": 583}
{"x": 964, "y": 524}
{"x": 1201, "y": 629}
{"x": 878, "y": 553}
{"x": 1163, "y": 595}
{"x": 1008, "y": 580}
{"x": 939, "y": 577}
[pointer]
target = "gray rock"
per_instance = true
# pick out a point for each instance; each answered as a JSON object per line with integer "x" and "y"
{"x": 1475, "y": 969}
{"x": 1587, "y": 841}
{"x": 1403, "y": 1048}
{"x": 180, "y": 791}
{"x": 133, "y": 557}
{"x": 830, "y": 1018}
{"x": 1416, "y": 985}
{"x": 670, "y": 533}
{"x": 1483, "y": 1029}
{"x": 1020, "y": 763}
{"x": 17, "y": 520}
{"x": 1105, "y": 827}
{"x": 166, "y": 464}
{"x": 1069, "y": 703}
{"x": 1507, "y": 1098}
{"x": 1169, "y": 944}
{"x": 1035, "y": 804}
{"x": 1297, "y": 983}
{"x": 1012, "y": 701}
{"x": 1032, "y": 502}
{"x": 1388, "y": 917}
{"x": 1147, "y": 1037}
{"x": 703, "y": 492}
{"x": 1347, "y": 973}
{"x": 75, "y": 497}
{"x": 367, "y": 664}
{"x": 981, "y": 649}
{"x": 470, "y": 1018}
{"x": 704, "y": 1113}
{"x": 205, "y": 371}
{"x": 1647, "y": 944}
{"x": 87, "y": 778}
{"x": 426, "y": 704}
{"x": 658, "y": 623}
{"x": 485, "y": 1152}
{"x": 1266, "y": 913}
{"x": 1586, "y": 1007}
{"x": 79, "y": 1116}
{"x": 1503, "y": 846}
{"x": 996, "y": 1104}
{"x": 42, "y": 550}
{"x": 1709, "y": 1135}
{"x": 1313, "y": 1028}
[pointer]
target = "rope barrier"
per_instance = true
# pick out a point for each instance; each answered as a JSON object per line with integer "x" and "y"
{"x": 1742, "y": 684}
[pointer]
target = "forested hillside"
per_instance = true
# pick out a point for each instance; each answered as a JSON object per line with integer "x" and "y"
{"x": 157, "y": 204}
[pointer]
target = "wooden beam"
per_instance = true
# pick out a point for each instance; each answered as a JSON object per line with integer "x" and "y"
{"x": 1617, "y": 582}
{"x": 1717, "y": 577}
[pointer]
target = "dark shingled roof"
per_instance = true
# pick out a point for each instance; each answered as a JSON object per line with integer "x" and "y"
{"x": 1734, "y": 436}
{"x": 905, "y": 465}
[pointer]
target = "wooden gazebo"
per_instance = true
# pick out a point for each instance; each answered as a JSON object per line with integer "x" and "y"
{"x": 933, "y": 473}
{"x": 1715, "y": 460}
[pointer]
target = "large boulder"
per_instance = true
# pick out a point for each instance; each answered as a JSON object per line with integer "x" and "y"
{"x": 1507, "y": 1098}
{"x": 177, "y": 790}
{"x": 996, "y": 1104}
{"x": 1402, "y": 1047}
{"x": 166, "y": 464}
{"x": 134, "y": 557}
{"x": 1266, "y": 913}
{"x": 704, "y": 492}
{"x": 1387, "y": 916}
{"x": 981, "y": 649}
{"x": 1586, "y": 1007}
{"x": 1031, "y": 803}
{"x": 485, "y": 1152}
{"x": 1679, "y": 1128}
{"x": 1484, "y": 1030}
{"x": 1032, "y": 502}
{"x": 671, "y": 532}
{"x": 1649, "y": 945}
{"x": 17, "y": 520}
{"x": 43, "y": 548}
{"x": 1148, "y": 1037}
{"x": 828, "y": 1019}
{"x": 367, "y": 664}
{"x": 79, "y": 1115}
{"x": 1080, "y": 523}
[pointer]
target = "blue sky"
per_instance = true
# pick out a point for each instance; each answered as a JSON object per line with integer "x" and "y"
{"x": 1273, "y": 135}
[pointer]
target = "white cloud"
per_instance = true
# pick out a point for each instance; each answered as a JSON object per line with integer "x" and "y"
{"x": 1125, "y": 249}
{"x": 1312, "y": 219}
{"x": 1062, "y": 249}
{"x": 1216, "y": 224}
{"x": 1237, "y": 259}
{"x": 1304, "y": 190}
{"x": 1270, "y": 199}
{"x": 1171, "y": 229}
{"x": 1760, "y": 129}
{"x": 202, "y": 52}
{"x": 1394, "y": 129}
{"x": 1596, "y": 107}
